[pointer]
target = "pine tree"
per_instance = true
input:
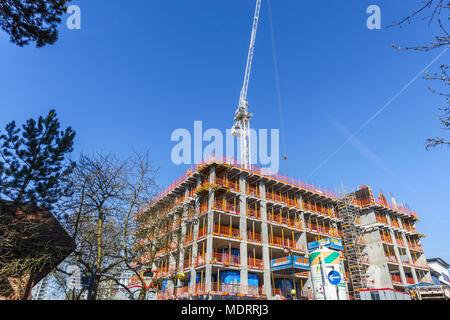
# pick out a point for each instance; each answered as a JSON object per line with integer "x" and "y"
{"x": 33, "y": 161}
{"x": 32, "y": 20}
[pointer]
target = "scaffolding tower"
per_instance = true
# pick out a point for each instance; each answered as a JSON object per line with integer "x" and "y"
{"x": 351, "y": 235}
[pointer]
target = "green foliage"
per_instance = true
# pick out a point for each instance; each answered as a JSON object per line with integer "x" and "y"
{"x": 32, "y": 20}
{"x": 33, "y": 161}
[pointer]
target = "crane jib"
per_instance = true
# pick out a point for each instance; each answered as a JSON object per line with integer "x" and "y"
{"x": 241, "y": 128}
{"x": 248, "y": 69}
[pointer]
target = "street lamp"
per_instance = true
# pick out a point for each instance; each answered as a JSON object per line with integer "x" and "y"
{"x": 180, "y": 276}
{"x": 293, "y": 291}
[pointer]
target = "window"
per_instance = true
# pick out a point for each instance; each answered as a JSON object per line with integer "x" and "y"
{"x": 375, "y": 296}
{"x": 435, "y": 279}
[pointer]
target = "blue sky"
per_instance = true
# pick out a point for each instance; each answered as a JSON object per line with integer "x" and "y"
{"x": 137, "y": 70}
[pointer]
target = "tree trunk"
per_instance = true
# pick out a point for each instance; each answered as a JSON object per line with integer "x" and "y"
{"x": 142, "y": 293}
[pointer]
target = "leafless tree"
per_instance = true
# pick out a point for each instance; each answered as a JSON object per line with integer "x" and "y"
{"x": 157, "y": 233}
{"x": 434, "y": 12}
{"x": 105, "y": 192}
{"x": 101, "y": 216}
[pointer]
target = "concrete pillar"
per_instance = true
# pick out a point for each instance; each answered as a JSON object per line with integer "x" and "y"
{"x": 378, "y": 265}
{"x": 414, "y": 275}
{"x": 400, "y": 223}
{"x": 183, "y": 231}
{"x": 302, "y": 241}
{"x": 300, "y": 200}
{"x": 368, "y": 218}
{"x": 388, "y": 218}
{"x": 194, "y": 245}
{"x": 423, "y": 260}
{"x": 210, "y": 228}
{"x": 170, "y": 283}
{"x": 243, "y": 231}
{"x": 408, "y": 253}
{"x": 301, "y": 214}
{"x": 397, "y": 255}
{"x": 265, "y": 242}
{"x": 378, "y": 268}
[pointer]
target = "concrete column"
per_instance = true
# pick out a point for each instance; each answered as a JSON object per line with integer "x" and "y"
{"x": 181, "y": 246}
{"x": 408, "y": 253}
{"x": 397, "y": 255}
{"x": 423, "y": 260}
{"x": 170, "y": 283}
{"x": 265, "y": 242}
{"x": 243, "y": 231}
{"x": 378, "y": 265}
{"x": 373, "y": 237}
{"x": 400, "y": 223}
{"x": 378, "y": 268}
{"x": 300, "y": 202}
{"x": 388, "y": 218}
{"x": 302, "y": 240}
{"x": 414, "y": 275}
{"x": 194, "y": 245}
{"x": 368, "y": 218}
{"x": 210, "y": 226}
{"x": 301, "y": 214}
{"x": 183, "y": 231}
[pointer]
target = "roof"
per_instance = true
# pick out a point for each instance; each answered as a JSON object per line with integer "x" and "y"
{"x": 440, "y": 261}
{"x": 33, "y": 232}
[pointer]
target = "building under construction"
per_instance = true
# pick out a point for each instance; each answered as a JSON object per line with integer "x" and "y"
{"x": 247, "y": 235}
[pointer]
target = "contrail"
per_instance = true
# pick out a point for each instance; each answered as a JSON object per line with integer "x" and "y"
{"x": 277, "y": 80}
{"x": 376, "y": 114}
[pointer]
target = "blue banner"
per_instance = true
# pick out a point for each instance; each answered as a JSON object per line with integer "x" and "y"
{"x": 286, "y": 262}
{"x": 331, "y": 243}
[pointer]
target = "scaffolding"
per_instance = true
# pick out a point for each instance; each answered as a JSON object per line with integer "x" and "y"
{"x": 351, "y": 235}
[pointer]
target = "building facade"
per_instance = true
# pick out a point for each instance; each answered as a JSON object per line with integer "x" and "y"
{"x": 36, "y": 244}
{"x": 40, "y": 290}
{"x": 237, "y": 227}
{"x": 439, "y": 271}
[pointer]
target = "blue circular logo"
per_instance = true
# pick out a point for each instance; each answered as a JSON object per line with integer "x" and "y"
{"x": 334, "y": 277}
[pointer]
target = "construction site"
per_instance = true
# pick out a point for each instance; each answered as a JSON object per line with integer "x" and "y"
{"x": 246, "y": 234}
{"x": 253, "y": 236}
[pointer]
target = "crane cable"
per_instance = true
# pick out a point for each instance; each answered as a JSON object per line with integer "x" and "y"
{"x": 277, "y": 82}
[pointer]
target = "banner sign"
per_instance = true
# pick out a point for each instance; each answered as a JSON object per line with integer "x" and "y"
{"x": 286, "y": 262}
{"x": 331, "y": 243}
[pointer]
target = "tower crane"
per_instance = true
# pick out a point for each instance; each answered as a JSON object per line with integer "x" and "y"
{"x": 241, "y": 127}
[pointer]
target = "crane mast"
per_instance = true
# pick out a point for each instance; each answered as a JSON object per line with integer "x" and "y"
{"x": 241, "y": 127}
